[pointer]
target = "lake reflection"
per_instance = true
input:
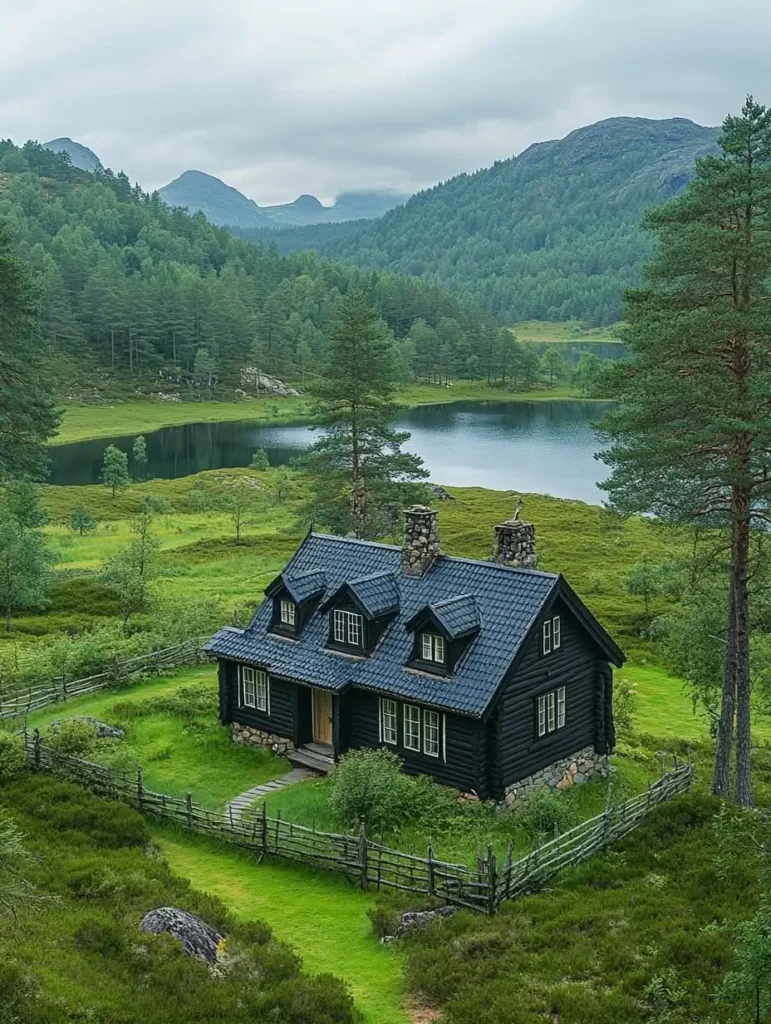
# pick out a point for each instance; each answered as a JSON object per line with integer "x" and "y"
{"x": 546, "y": 447}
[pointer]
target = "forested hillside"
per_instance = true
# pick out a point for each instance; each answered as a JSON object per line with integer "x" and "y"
{"x": 549, "y": 235}
{"x": 141, "y": 288}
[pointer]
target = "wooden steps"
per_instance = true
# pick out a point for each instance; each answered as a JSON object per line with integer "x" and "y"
{"x": 318, "y": 757}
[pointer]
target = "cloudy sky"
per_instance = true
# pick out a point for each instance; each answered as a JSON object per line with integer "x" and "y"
{"x": 291, "y": 96}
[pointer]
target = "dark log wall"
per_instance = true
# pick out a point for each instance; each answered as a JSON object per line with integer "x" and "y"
{"x": 461, "y": 762}
{"x": 281, "y": 719}
{"x": 520, "y": 751}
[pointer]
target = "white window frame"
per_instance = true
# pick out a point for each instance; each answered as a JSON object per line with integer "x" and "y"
{"x": 287, "y": 612}
{"x": 254, "y": 688}
{"x": 411, "y": 726}
{"x": 431, "y": 733}
{"x": 556, "y": 633}
{"x": 348, "y": 628}
{"x": 389, "y": 721}
{"x": 546, "y": 637}
{"x": 433, "y": 648}
{"x": 551, "y": 711}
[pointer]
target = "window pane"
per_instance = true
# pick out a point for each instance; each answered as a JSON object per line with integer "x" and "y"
{"x": 439, "y": 649}
{"x": 411, "y": 727}
{"x": 262, "y": 690}
{"x": 354, "y": 628}
{"x": 248, "y": 697}
{"x": 550, "y": 707}
{"x": 288, "y": 612}
{"x": 340, "y": 627}
{"x": 389, "y": 721}
{"x": 427, "y": 647}
{"x": 556, "y": 632}
{"x": 546, "y": 637}
{"x": 431, "y": 733}
{"x": 560, "y": 707}
{"x": 541, "y": 716}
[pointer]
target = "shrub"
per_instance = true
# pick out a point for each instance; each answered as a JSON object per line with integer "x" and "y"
{"x": 188, "y": 702}
{"x": 545, "y": 811}
{"x": 74, "y": 737}
{"x": 12, "y": 759}
{"x": 368, "y": 786}
{"x": 624, "y": 704}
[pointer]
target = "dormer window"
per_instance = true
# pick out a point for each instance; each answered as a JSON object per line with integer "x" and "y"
{"x": 288, "y": 613}
{"x": 551, "y": 635}
{"x": 432, "y": 648}
{"x": 347, "y": 628}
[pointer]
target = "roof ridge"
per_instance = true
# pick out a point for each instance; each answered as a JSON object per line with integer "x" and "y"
{"x": 495, "y": 565}
{"x": 356, "y": 540}
{"x": 457, "y": 597}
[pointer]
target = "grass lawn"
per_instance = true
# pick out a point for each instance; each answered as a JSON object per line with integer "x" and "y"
{"x": 176, "y": 755}
{"x": 561, "y": 331}
{"x": 323, "y": 917}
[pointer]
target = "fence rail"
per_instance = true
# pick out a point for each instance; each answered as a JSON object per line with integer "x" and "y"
{"x": 55, "y": 691}
{"x": 364, "y": 862}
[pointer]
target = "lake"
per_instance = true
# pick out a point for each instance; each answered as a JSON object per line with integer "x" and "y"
{"x": 545, "y": 447}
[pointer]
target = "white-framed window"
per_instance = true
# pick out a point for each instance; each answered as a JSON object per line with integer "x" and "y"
{"x": 411, "y": 727}
{"x": 389, "y": 722}
{"x": 288, "y": 612}
{"x": 551, "y": 711}
{"x": 431, "y": 733}
{"x": 432, "y": 648}
{"x": 347, "y": 628}
{"x": 551, "y": 635}
{"x": 255, "y": 692}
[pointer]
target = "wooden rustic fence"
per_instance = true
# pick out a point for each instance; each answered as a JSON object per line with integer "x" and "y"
{"x": 367, "y": 863}
{"x": 53, "y": 691}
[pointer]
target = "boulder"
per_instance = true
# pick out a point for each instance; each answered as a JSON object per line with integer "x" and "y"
{"x": 101, "y": 729}
{"x": 419, "y": 919}
{"x": 198, "y": 939}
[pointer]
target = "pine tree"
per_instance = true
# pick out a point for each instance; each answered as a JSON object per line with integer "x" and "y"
{"x": 81, "y": 520}
{"x": 692, "y": 440}
{"x": 28, "y": 416}
{"x": 25, "y": 558}
{"x": 139, "y": 457}
{"x": 359, "y": 454}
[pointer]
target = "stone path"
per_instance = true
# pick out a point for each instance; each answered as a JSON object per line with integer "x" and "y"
{"x": 238, "y": 804}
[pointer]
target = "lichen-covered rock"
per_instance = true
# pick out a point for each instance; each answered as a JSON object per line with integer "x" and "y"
{"x": 198, "y": 939}
{"x": 419, "y": 919}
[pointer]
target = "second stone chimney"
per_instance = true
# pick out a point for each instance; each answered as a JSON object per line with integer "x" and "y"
{"x": 515, "y": 544}
{"x": 421, "y": 540}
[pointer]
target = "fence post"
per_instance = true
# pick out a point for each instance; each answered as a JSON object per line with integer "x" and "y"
{"x": 431, "y": 880}
{"x": 264, "y": 817}
{"x": 36, "y": 749}
{"x": 492, "y": 878}
{"x": 363, "y": 865}
{"x": 140, "y": 787}
{"x": 507, "y": 871}
{"x": 189, "y": 806}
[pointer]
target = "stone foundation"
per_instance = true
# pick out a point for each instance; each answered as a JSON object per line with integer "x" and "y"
{"x": 280, "y": 745}
{"x": 568, "y": 771}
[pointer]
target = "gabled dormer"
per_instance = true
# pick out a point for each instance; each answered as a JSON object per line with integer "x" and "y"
{"x": 442, "y": 633}
{"x": 295, "y": 598}
{"x": 360, "y": 610}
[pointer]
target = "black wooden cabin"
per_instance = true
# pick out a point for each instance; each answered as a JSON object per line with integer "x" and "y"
{"x": 476, "y": 673}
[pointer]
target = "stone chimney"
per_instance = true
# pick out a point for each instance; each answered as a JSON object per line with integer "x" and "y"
{"x": 421, "y": 540}
{"x": 515, "y": 544}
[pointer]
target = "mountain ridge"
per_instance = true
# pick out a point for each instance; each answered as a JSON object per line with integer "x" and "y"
{"x": 80, "y": 156}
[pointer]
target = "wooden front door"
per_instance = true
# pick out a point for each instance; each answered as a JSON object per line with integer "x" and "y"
{"x": 322, "y": 716}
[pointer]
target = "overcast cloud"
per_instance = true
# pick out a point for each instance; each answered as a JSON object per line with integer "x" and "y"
{"x": 326, "y": 95}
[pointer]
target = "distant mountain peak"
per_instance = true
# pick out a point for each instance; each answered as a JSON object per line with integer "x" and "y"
{"x": 80, "y": 156}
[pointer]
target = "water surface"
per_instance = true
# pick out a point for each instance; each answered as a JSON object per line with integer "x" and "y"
{"x": 545, "y": 447}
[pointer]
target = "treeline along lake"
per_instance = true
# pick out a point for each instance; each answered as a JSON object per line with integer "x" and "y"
{"x": 544, "y": 447}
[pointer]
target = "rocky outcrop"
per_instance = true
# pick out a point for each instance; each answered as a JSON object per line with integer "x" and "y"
{"x": 198, "y": 939}
{"x": 563, "y": 774}
{"x": 280, "y": 745}
{"x": 263, "y": 384}
{"x": 419, "y": 919}
{"x": 101, "y": 729}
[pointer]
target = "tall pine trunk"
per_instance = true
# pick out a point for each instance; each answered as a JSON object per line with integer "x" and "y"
{"x": 721, "y": 778}
{"x": 740, "y": 586}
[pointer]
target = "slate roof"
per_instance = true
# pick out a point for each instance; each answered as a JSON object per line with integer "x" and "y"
{"x": 459, "y": 615}
{"x": 507, "y": 601}
{"x": 304, "y": 585}
{"x": 378, "y": 594}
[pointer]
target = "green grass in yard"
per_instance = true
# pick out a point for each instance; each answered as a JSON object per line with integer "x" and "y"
{"x": 176, "y": 756}
{"x": 562, "y": 331}
{"x": 322, "y": 916}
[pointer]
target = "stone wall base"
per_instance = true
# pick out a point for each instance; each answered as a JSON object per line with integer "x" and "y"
{"x": 280, "y": 745}
{"x": 568, "y": 771}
